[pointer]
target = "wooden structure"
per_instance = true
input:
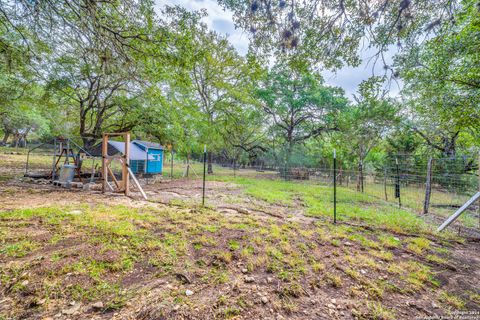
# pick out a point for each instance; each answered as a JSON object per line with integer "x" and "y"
{"x": 122, "y": 185}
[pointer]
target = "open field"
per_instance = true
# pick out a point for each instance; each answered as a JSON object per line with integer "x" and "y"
{"x": 260, "y": 249}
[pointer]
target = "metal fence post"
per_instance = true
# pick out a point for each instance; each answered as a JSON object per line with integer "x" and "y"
{"x": 334, "y": 186}
{"x": 204, "y": 172}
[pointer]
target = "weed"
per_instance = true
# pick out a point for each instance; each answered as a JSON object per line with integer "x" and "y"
{"x": 375, "y": 311}
{"x": 233, "y": 245}
{"x": 383, "y": 255}
{"x": 418, "y": 245}
{"x": 18, "y": 249}
{"x": 231, "y": 312}
{"x": 436, "y": 259}
{"x": 334, "y": 280}
{"x": 335, "y": 242}
{"x": 452, "y": 300}
{"x": 318, "y": 267}
{"x": 389, "y": 241}
{"x": 354, "y": 274}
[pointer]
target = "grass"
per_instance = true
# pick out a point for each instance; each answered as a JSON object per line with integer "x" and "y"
{"x": 318, "y": 200}
{"x": 93, "y": 256}
{"x": 453, "y": 301}
{"x": 419, "y": 245}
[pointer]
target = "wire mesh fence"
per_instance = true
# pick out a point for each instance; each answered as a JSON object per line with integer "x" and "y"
{"x": 433, "y": 188}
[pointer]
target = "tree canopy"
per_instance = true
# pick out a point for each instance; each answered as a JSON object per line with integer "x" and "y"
{"x": 80, "y": 68}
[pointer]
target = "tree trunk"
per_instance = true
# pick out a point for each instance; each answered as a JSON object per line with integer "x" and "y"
{"x": 209, "y": 162}
{"x": 88, "y": 143}
{"x": 5, "y": 138}
{"x": 360, "y": 177}
{"x": 340, "y": 174}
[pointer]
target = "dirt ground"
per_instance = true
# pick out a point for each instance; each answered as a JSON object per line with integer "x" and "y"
{"x": 322, "y": 273}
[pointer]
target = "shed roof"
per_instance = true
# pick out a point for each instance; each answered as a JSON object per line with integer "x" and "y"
{"x": 136, "y": 153}
{"x": 148, "y": 144}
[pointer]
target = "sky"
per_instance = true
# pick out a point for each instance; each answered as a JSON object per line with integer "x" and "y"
{"x": 221, "y": 21}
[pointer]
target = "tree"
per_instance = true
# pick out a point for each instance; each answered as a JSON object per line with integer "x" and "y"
{"x": 442, "y": 86}
{"x": 95, "y": 56}
{"x": 330, "y": 32}
{"x": 299, "y": 105}
{"x": 219, "y": 77}
{"x": 367, "y": 121}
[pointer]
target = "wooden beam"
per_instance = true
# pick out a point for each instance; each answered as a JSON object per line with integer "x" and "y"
{"x": 114, "y": 157}
{"x": 110, "y": 186}
{"x": 137, "y": 183}
{"x": 104, "y": 162}
{"x": 113, "y": 177}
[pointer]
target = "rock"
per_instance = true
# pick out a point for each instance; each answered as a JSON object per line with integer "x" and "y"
{"x": 176, "y": 307}
{"x": 75, "y": 212}
{"x": 348, "y": 244}
{"x": 333, "y": 301}
{"x": 249, "y": 279}
{"x": 188, "y": 292}
{"x": 331, "y": 306}
{"x": 269, "y": 280}
{"x": 363, "y": 271}
{"x": 88, "y": 186}
{"x": 244, "y": 270}
{"x": 434, "y": 305}
{"x": 97, "y": 305}
{"x": 395, "y": 238}
{"x": 264, "y": 300}
{"x": 25, "y": 283}
{"x": 71, "y": 310}
{"x": 41, "y": 302}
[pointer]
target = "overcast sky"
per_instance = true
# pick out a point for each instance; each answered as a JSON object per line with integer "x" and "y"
{"x": 221, "y": 21}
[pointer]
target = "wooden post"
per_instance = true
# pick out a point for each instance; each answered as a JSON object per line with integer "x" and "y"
{"x": 428, "y": 187}
{"x": 124, "y": 184}
{"x": 126, "y": 165}
{"x": 104, "y": 162}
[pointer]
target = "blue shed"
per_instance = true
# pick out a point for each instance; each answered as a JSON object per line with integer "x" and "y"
{"x": 145, "y": 156}
{"x": 154, "y": 153}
